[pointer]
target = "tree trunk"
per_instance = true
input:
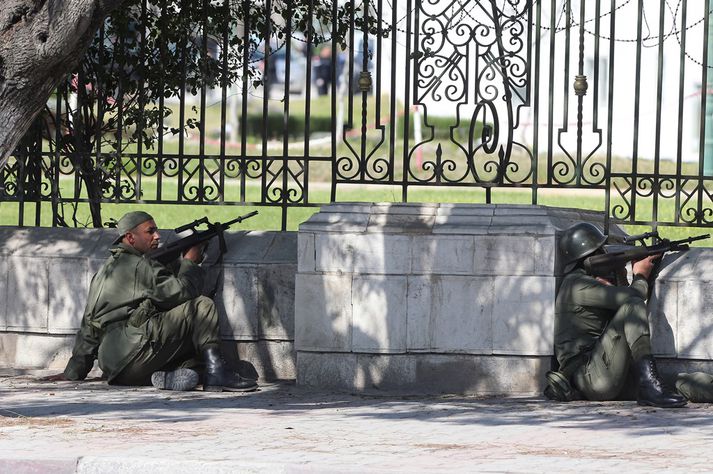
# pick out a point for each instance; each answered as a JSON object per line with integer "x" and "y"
{"x": 41, "y": 41}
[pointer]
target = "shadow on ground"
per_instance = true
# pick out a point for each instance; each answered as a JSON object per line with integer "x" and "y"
{"x": 26, "y": 397}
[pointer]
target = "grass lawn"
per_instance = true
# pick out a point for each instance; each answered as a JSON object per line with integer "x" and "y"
{"x": 269, "y": 218}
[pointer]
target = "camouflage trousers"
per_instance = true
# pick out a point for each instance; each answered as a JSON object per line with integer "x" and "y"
{"x": 605, "y": 374}
{"x": 176, "y": 339}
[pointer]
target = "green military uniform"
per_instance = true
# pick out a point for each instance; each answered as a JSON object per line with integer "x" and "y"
{"x": 696, "y": 386}
{"x": 142, "y": 316}
{"x": 598, "y": 328}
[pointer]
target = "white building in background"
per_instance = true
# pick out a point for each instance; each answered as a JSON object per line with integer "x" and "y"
{"x": 671, "y": 48}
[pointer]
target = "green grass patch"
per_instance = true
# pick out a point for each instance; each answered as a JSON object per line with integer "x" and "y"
{"x": 270, "y": 218}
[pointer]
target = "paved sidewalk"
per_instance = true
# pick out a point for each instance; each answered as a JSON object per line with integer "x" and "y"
{"x": 90, "y": 427}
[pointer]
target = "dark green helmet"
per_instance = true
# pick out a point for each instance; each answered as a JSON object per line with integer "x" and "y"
{"x": 579, "y": 241}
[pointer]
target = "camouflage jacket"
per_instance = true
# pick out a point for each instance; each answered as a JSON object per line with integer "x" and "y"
{"x": 128, "y": 283}
{"x": 583, "y": 308}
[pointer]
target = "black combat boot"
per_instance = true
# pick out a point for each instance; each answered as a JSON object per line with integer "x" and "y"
{"x": 651, "y": 390}
{"x": 218, "y": 376}
{"x": 180, "y": 379}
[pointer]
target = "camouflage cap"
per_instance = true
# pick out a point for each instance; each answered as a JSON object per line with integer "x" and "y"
{"x": 129, "y": 221}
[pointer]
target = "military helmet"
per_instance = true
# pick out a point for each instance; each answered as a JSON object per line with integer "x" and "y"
{"x": 579, "y": 241}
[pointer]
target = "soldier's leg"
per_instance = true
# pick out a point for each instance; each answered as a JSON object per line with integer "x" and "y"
{"x": 625, "y": 339}
{"x": 627, "y": 335}
{"x": 176, "y": 337}
{"x": 696, "y": 386}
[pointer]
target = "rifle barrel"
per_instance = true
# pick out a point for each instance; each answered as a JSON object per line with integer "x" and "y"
{"x": 239, "y": 219}
{"x": 688, "y": 240}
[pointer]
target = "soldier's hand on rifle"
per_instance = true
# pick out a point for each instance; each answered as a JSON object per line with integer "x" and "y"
{"x": 645, "y": 266}
{"x": 604, "y": 281}
{"x": 195, "y": 253}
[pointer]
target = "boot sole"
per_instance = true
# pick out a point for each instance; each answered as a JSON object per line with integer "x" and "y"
{"x": 180, "y": 380}
{"x": 221, "y": 388}
{"x": 672, "y": 405}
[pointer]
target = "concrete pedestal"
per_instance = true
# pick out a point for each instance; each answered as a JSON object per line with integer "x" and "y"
{"x": 45, "y": 275}
{"x": 450, "y": 297}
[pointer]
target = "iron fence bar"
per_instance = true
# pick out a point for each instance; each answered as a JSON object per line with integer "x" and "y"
{"x": 657, "y": 135}
{"x": 177, "y": 156}
{"x": 142, "y": 98}
{"x": 679, "y": 138}
{"x": 364, "y": 67}
{"x": 637, "y": 113}
{"x": 224, "y": 96}
{"x": 377, "y": 87}
{"x": 595, "y": 73}
{"x": 550, "y": 95}
{"x": 37, "y": 149}
{"x": 182, "y": 115}
{"x": 55, "y": 162}
{"x": 100, "y": 103}
{"x": 350, "y": 76}
{"x": 265, "y": 99}
{"x": 20, "y": 190}
{"x": 580, "y": 96}
{"x": 119, "y": 121}
{"x": 610, "y": 118}
{"x": 333, "y": 121}
{"x": 286, "y": 116}
{"x": 407, "y": 92}
{"x": 202, "y": 126}
{"x": 308, "y": 99}
{"x": 565, "y": 94}
{"x": 161, "y": 105}
{"x": 704, "y": 101}
{"x": 536, "y": 105}
{"x": 392, "y": 96}
{"x": 244, "y": 103}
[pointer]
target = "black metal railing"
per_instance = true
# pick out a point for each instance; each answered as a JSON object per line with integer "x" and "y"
{"x": 612, "y": 96}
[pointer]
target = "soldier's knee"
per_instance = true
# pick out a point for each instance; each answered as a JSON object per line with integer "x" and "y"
{"x": 204, "y": 301}
{"x": 205, "y": 307}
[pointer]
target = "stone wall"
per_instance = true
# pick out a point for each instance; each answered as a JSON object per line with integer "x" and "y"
{"x": 455, "y": 298}
{"x": 416, "y": 298}
{"x": 45, "y": 275}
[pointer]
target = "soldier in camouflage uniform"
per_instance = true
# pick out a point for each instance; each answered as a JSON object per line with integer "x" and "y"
{"x": 602, "y": 329}
{"x": 148, "y": 323}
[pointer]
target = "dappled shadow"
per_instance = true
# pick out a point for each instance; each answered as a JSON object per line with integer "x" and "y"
{"x": 96, "y": 401}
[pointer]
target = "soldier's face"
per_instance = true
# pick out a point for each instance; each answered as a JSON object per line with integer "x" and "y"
{"x": 144, "y": 237}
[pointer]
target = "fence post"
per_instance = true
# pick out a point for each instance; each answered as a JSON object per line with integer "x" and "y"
{"x": 706, "y": 89}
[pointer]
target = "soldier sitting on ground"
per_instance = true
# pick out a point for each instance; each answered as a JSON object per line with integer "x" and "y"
{"x": 148, "y": 323}
{"x": 602, "y": 329}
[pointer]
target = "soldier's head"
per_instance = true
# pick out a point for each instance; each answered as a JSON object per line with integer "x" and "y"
{"x": 578, "y": 242}
{"x": 138, "y": 229}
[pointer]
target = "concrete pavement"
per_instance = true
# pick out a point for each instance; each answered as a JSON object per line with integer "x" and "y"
{"x": 90, "y": 427}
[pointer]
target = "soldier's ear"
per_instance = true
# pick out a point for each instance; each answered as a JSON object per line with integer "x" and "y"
{"x": 129, "y": 238}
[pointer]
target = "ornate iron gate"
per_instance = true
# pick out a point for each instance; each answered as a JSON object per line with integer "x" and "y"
{"x": 491, "y": 94}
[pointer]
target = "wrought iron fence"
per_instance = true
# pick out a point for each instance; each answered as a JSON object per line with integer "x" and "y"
{"x": 613, "y": 96}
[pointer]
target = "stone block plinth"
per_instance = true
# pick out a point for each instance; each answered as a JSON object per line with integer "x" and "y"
{"x": 388, "y": 294}
{"x": 45, "y": 276}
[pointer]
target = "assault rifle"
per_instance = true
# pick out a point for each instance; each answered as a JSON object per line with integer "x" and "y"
{"x": 616, "y": 256}
{"x": 172, "y": 250}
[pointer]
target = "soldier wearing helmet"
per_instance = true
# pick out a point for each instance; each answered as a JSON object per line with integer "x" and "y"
{"x": 601, "y": 329}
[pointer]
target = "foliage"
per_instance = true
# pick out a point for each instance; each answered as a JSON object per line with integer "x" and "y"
{"x": 152, "y": 50}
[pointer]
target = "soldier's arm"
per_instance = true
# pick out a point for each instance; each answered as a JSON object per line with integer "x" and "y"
{"x": 86, "y": 345}
{"x": 169, "y": 289}
{"x": 590, "y": 292}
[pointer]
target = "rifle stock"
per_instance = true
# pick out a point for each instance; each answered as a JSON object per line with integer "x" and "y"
{"x": 172, "y": 250}
{"x": 616, "y": 256}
